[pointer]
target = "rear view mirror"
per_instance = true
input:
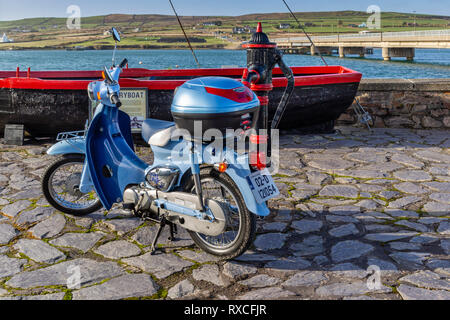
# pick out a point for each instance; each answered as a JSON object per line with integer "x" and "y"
{"x": 115, "y": 34}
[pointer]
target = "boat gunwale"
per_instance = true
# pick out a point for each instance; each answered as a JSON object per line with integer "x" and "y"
{"x": 38, "y": 80}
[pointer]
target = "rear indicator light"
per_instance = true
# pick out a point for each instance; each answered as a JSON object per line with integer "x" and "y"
{"x": 223, "y": 167}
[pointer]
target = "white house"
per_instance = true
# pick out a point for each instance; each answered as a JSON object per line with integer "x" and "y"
{"x": 246, "y": 29}
{"x": 5, "y": 39}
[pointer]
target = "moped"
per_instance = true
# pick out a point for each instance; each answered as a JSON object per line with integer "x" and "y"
{"x": 211, "y": 190}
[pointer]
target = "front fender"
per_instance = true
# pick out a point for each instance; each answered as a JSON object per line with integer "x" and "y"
{"x": 69, "y": 146}
{"x": 239, "y": 171}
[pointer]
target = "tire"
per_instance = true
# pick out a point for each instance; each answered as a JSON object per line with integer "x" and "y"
{"x": 51, "y": 197}
{"x": 247, "y": 231}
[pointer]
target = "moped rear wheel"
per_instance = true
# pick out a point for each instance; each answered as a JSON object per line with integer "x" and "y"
{"x": 241, "y": 223}
{"x": 60, "y": 185}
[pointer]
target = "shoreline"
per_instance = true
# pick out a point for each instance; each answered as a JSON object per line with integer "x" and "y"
{"x": 205, "y": 48}
{"x": 231, "y": 46}
{"x": 105, "y": 49}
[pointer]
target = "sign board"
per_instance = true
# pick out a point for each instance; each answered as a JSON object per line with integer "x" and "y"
{"x": 134, "y": 103}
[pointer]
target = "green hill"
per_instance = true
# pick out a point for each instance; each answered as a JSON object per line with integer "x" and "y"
{"x": 150, "y": 21}
{"x": 145, "y": 31}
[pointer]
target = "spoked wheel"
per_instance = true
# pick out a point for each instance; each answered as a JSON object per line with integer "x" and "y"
{"x": 240, "y": 222}
{"x": 61, "y": 183}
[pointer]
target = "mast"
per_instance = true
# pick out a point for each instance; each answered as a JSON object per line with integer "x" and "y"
{"x": 184, "y": 32}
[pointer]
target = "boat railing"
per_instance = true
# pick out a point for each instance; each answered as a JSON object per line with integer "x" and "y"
{"x": 423, "y": 35}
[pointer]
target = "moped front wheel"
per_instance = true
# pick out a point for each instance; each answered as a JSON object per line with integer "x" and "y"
{"x": 60, "y": 185}
{"x": 240, "y": 222}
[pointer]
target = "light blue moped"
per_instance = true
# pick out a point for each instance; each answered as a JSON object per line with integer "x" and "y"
{"x": 211, "y": 190}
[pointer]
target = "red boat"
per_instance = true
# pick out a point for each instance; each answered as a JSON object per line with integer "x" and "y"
{"x": 49, "y": 102}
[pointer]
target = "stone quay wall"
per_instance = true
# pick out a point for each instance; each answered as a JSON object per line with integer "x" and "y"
{"x": 404, "y": 103}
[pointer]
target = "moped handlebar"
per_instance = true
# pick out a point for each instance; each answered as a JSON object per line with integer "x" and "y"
{"x": 115, "y": 100}
{"x": 123, "y": 63}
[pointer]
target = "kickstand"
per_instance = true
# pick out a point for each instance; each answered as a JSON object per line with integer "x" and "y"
{"x": 162, "y": 224}
{"x": 173, "y": 231}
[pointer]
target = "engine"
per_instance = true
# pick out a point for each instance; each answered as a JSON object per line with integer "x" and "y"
{"x": 147, "y": 200}
{"x": 181, "y": 208}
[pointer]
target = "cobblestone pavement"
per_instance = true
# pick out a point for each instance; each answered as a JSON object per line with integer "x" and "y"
{"x": 355, "y": 207}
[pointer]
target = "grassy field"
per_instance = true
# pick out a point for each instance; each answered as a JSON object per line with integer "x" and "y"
{"x": 142, "y": 31}
{"x": 150, "y": 41}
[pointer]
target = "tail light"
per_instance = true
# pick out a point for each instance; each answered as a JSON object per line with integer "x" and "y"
{"x": 259, "y": 139}
{"x": 258, "y": 160}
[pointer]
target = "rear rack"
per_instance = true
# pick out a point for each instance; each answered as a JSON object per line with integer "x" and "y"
{"x": 74, "y": 135}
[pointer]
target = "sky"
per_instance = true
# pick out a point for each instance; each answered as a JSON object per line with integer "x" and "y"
{"x": 19, "y": 9}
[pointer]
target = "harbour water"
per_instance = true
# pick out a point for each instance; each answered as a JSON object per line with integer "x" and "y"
{"x": 429, "y": 63}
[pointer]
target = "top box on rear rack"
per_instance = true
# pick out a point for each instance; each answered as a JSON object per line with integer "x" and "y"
{"x": 217, "y": 102}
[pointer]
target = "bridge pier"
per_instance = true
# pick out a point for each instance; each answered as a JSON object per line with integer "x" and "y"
{"x": 394, "y": 44}
{"x": 343, "y": 51}
{"x": 389, "y": 53}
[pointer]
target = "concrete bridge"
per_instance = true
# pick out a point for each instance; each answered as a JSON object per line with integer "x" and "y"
{"x": 394, "y": 44}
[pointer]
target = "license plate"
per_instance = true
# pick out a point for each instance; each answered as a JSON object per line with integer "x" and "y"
{"x": 262, "y": 185}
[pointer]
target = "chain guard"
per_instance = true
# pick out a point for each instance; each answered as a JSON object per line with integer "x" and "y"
{"x": 206, "y": 227}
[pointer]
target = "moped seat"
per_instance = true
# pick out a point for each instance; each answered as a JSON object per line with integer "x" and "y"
{"x": 157, "y": 132}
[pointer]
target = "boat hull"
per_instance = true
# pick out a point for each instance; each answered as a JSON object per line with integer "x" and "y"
{"x": 47, "y": 106}
{"x": 44, "y": 113}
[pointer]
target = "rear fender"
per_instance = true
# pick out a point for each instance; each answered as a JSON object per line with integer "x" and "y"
{"x": 69, "y": 146}
{"x": 238, "y": 170}
{"x": 239, "y": 173}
